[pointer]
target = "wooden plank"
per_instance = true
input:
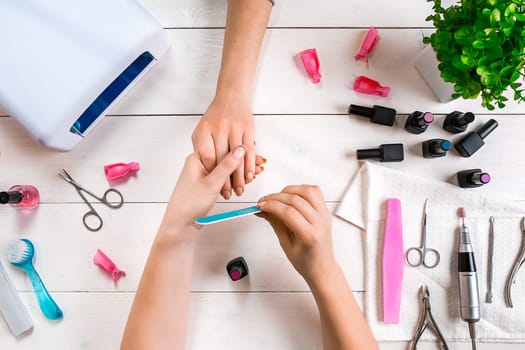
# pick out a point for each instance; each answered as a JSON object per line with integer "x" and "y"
{"x": 300, "y": 149}
{"x": 305, "y": 13}
{"x": 66, "y": 249}
{"x": 184, "y": 81}
{"x": 218, "y": 321}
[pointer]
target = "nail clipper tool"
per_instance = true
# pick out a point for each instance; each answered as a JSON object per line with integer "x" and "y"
{"x": 520, "y": 259}
{"x": 426, "y": 320}
{"x": 490, "y": 267}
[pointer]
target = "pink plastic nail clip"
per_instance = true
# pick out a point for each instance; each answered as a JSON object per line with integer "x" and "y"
{"x": 107, "y": 265}
{"x": 114, "y": 171}
{"x": 371, "y": 40}
{"x": 311, "y": 63}
{"x": 369, "y": 86}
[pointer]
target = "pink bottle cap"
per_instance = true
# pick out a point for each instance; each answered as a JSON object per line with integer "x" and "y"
{"x": 371, "y": 40}
{"x": 311, "y": 63}
{"x": 369, "y": 86}
{"x": 117, "y": 170}
{"x": 235, "y": 275}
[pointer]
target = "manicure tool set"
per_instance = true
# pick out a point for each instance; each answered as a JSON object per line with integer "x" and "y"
{"x": 423, "y": 256}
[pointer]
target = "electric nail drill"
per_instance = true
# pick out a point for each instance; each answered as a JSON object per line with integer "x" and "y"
{"x": 435, "y": 148}
{"x": 418, "y": 122}
{"x": 468, "y": 279}
{"x": 377, "y": 114}
{"x": 471, "y": 178}
{"x": 469, "y": 145}
{"x": 457, "y": 122}
{"x": 392, "y": 152}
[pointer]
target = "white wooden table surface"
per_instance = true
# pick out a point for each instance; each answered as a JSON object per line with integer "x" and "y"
{"x": 302, "y": 129}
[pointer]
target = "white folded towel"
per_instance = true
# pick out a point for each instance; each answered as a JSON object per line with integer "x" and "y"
{"x": 364, "y": 206}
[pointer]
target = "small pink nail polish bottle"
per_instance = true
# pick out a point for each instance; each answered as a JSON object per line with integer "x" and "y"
{"x": 21, "y": 196}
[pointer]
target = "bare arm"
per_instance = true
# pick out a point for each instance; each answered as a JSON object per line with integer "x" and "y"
{"x": 302, "y": 223}
{"x": 159, "y": 315}
{"x": 228, "y": 121}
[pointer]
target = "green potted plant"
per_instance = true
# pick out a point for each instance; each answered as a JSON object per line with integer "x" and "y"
{"x": 480, "y": 49}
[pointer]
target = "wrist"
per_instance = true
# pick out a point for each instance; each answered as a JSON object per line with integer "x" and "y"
{"x": 231, "y": 94}
{"x": 177, "y": 232}
{"x": 326, "y": 278}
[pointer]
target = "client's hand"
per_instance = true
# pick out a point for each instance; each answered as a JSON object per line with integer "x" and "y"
{"x": 303, "y": 225}
{"x": 197, "y": 190}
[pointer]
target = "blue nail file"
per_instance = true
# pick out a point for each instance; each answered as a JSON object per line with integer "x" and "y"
{"x": 212, "y": 219}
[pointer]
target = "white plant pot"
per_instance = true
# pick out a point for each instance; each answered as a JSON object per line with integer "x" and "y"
{"x": 427, "y": 65}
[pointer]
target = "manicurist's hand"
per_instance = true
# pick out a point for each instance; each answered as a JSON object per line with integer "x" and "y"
{"x": 227, "y": 122}
{"x": 197, "y": 190}
{"x": 303, "y": 225}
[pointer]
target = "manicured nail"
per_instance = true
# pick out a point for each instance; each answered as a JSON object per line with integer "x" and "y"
{"x": 239, "y": 152}
{"x": 264, "y": 160}
{"x": 226, "y": 194}
{"x": 239, "y": 191}
{"x": 249, "y": 176}
{"x": 262, "y": 169}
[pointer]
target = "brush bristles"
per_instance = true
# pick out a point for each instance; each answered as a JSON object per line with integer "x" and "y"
{"x": 18, "y": 252}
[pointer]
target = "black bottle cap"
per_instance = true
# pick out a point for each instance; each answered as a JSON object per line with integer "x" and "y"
{"x": 11, "y": 197}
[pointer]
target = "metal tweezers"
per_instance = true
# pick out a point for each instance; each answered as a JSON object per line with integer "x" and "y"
{"x": 520, "y": 259}
{"x": 427, "y": 320}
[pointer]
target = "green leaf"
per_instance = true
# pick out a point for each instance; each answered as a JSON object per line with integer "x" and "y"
{"x": 515, "y": 76}
{"x": 495, "y": 17}
{"x": 515, "y": 85}
{"x": 510, "y": 10}
{"x": 478, "y": 44}
{"x": 468, "y": 61}
{"x": 520, "y": 17}
{"x": 507, "y": 70}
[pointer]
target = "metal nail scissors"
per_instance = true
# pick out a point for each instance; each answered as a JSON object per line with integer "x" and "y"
{"x": 520, "y": 259}
{"x": 426, "y": 320}
{"x": 104, "y": 200}
{"x": 420, "y": 254}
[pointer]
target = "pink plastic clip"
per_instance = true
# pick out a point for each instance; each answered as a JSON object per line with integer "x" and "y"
{"x": 107, "y": 265}
{"x": 371, "y": 40}
{"x": 311, "y": 63}
{"x": 370, "y": 86}
{"x": 114, "y": 171}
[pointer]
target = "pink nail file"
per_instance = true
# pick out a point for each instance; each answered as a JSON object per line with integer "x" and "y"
{"x": 393, "y": 261}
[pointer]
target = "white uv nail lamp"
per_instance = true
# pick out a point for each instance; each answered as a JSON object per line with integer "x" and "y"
{"x": 64, "y": 64}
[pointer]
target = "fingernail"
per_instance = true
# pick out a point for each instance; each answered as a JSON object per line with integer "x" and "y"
{"x": 239, "y": 191}
{"x": 262, "y": 169}
{"x": 226, "y": 194}
{"x": 264, "y": 160}
{"x": 261, "y": 203}
{"x": 239, "y": 152}
{"x": 249, "y": 176}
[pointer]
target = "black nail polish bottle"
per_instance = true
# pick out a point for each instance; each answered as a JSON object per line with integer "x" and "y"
{"x": 457, "y": 122}
{"x": 418, "y": 122}
{"x": 435, "y": 148}
{"x": 392, "y": 152}
{"x": 473, "y": 141}
{"x": 377, "y": 114}
{"x": 237, "y": 268}
{"x": 471, "y": 178}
